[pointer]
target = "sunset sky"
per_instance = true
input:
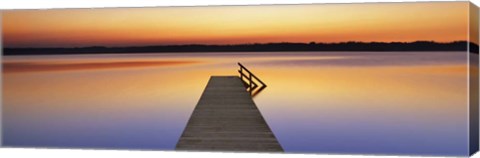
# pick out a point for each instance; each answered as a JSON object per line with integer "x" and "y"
{"x": 384, "y": 22}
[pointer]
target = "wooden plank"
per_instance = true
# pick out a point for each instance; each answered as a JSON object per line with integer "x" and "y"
{"x": 227, "y": 119}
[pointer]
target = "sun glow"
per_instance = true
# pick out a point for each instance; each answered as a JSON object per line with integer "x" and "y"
{"x": 443, "y": 21}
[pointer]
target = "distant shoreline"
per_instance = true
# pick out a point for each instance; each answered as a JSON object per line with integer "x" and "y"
{"x": 258, "y": 47}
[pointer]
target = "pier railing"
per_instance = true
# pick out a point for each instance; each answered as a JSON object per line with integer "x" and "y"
{"x": 253, "y": 84}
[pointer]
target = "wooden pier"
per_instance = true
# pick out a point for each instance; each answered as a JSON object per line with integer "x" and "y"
{"x": 227, "y": 119}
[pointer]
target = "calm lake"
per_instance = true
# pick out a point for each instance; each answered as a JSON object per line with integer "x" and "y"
{"x": 330, "y": 102}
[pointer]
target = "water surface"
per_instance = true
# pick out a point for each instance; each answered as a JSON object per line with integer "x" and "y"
{"x": 329, "y": 102}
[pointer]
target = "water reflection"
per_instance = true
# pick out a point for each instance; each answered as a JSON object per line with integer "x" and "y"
{"x": 348, "y": 102}
{"x": 9, "y": 67}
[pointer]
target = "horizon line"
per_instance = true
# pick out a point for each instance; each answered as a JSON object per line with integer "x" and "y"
{"x": 244, "y": 44}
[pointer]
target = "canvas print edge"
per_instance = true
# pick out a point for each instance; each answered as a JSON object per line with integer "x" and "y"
{"x": 474, "y": 78}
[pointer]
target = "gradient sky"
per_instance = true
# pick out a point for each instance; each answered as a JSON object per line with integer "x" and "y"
{"x": 440, "y": 21}
{"x": 474, "y": 36}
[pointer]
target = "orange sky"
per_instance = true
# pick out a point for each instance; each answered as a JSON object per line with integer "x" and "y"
{"x": 440, "y": 21}
{"x": 474, "y": 36}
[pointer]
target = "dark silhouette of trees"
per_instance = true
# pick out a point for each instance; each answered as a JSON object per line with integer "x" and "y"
{"x": 256, "y": 47}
